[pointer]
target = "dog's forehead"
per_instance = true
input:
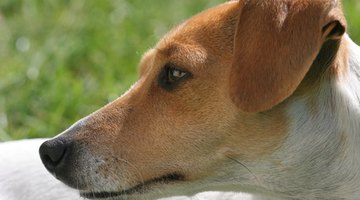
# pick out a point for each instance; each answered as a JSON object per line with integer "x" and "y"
{"x": 213, "y": 28}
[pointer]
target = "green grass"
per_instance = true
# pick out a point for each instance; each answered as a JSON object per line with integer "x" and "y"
{"x": 63, "y": 59}
{"x": 352, "y": 13}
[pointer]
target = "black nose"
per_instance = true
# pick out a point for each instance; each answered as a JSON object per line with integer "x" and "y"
{"x": 53, "y": 154}
{"x": 59, "y": 157}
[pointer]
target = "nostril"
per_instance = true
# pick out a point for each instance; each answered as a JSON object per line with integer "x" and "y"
{"x": 52, "y": 153}
{"x": 52, "y": 160}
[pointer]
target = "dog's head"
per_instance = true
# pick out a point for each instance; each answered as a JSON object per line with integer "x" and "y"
{"x": 211, "y": 95}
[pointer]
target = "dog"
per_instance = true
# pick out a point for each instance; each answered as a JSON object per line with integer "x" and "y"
{"x": 254, "y": 96}
{"x": 23, "y": 177}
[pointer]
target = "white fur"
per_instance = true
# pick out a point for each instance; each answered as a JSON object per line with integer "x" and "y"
{"x": 23, "y": 177}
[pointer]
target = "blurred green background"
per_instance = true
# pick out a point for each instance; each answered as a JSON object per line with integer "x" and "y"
{"x": 62, "y": 59}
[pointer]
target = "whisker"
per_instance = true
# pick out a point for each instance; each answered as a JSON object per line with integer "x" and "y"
{"x": 237, "y": 161}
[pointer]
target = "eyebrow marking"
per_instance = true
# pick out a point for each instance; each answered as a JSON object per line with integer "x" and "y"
{"x": 168, "y": 50}
{"x": 193, "y": 55}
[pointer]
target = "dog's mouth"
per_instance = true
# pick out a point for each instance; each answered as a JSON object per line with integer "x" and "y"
{"x": 137, "y": 189}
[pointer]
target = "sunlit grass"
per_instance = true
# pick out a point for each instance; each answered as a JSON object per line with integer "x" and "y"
{"x": 61, "y": 60}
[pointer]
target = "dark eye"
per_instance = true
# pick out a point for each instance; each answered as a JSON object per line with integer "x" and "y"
{"x": 171, "y": 76}
{"x": 174, "y": 74}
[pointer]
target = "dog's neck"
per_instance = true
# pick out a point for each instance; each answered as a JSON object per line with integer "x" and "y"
{"x": 320, "y": 157}
{"x": 322, "y": 151}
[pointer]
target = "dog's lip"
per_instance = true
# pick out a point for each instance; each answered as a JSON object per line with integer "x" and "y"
{"x": 139, "y": 188}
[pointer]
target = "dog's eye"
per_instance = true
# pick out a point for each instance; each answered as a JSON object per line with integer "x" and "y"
{"x": 174, "y": 74}
{"x": 171, "y": 76}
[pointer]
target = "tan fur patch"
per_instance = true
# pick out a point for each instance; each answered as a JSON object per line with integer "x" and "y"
{"x": 279, "y": 52}
{"x": 191, "y": 129}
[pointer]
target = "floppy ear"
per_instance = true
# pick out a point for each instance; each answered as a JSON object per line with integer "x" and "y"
{"x": 275, "y": 44}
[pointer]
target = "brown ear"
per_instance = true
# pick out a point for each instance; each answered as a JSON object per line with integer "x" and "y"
{"x": 276, "y": 42}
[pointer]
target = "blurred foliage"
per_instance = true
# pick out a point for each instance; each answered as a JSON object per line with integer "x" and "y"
{"x": 63, "y": 59}
{"x": 352, "y": 13}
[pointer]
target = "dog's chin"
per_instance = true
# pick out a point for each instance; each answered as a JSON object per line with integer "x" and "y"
{"x": 135, "y": 192}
